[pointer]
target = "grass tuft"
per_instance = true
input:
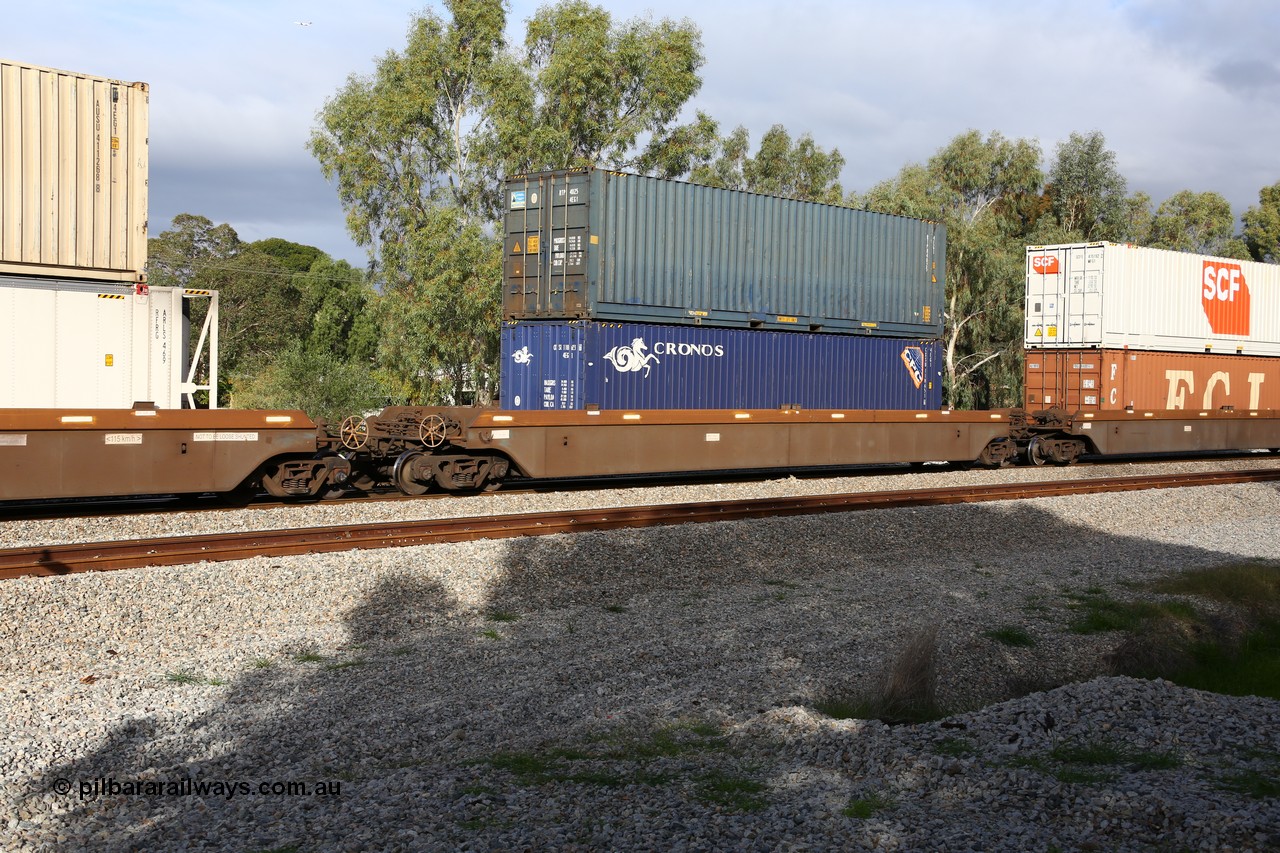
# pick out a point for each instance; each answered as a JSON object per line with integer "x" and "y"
{"x": 502, "y": 616}
{"x": 1011, "y": 635}
{"x": 906, "y": 692}
{"x": 1253, "y": 783}
{"x": 734, "y": 792}
{"x": 869, "y": 806}
{"x": 186, "y": 676}
{"x": 1230, "y": 646}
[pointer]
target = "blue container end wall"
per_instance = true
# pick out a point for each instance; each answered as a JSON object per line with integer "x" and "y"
{"x": 553, "y": 365}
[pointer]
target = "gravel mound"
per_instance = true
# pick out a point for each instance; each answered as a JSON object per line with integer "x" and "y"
{"x": 640, "y": 689}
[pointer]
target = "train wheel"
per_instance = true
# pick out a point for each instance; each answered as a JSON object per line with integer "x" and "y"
{"x": 402, "y": 474}
{"x": 1035, "y": 453}
{"x": 354, "y": 432}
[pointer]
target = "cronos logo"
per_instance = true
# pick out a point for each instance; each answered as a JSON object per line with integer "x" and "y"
{"x": 631, "y": 359}
{"x": 1225, "y": 296}
{"x": 634, "y": 358}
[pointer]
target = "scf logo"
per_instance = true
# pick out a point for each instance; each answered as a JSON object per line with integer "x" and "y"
{"x": 1045, "y": 264}
{"x": 1225, "y": 297}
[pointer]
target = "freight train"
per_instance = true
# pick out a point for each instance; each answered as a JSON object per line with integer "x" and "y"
{"x": 649, "y": 327}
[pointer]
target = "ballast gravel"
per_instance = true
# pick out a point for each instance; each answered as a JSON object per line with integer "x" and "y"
{"x": 653, "y": 689}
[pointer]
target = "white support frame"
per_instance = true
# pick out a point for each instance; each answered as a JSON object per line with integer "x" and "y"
{"x": 208, "y": 334}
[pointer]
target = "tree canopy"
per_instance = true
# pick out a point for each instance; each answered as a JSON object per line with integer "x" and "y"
{"x": 418, "y": 149}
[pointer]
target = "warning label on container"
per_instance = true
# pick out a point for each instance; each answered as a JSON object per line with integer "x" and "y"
{"x": 13, "y": 440}
{"x": 122, "y": 438}
{"x": 224, "y": 436}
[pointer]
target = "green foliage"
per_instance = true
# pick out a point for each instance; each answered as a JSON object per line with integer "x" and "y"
{"x": 1087, "y": 191}
{"x": 314, "y": 381}
{"x": 1011, "y": 635}
{"x": 595, "y": 87}
{"x": 296, "y": 327}
{"x": 418, "y": 150}
{"x": 293, "y": 256}
{"x": 782, "y": 167}
{"x": 1196, "y": 222}
{"x": 868, "y": 806}
{"x": 1252, "y": 585}
{"x": 1100, "y": 613}
{"x": 986, "y": 192}
{"x": 440, "y": 327}
{"x": 1262, "y": 226}
{"x": 1232, "y": 648}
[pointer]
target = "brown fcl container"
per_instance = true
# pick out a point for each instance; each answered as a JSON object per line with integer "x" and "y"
{"x": 1106, "y": 380}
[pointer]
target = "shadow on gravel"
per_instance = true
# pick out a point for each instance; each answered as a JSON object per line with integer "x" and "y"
{"x": 436, "y": 723}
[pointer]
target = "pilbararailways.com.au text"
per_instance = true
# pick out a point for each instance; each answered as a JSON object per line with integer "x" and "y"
{"x": 110, "y": 786}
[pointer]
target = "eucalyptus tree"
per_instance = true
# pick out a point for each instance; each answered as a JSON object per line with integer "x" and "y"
{"x": 1086, "y": 190}
{"x": 1262, "y": 226}
{"x": 1196, "y": 222}
{"x": 419, "y": 148}
{"x": 796, "y": 168}
{"x": 985, "y": 190}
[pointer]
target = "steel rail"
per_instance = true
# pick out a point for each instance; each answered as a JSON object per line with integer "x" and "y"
{"x": 102, "y": 556}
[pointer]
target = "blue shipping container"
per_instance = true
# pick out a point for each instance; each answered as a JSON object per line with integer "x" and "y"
{"x": 574, "y": 365}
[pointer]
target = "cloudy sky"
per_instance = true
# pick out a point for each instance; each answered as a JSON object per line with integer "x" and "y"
{"x": 1187, "y": 92}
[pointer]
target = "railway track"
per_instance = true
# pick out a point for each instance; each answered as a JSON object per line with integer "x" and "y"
{"x": 144, "y": 505}
{"x": 104, "y": 556}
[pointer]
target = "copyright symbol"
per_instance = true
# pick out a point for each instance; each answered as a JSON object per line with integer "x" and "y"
{"x": 61, "y": 786}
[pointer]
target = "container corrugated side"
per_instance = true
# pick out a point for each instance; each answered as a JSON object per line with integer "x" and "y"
{"x": 73, "y": 174}
{"x": 1110, "y": 380}
{"x": 575, "y": 365}
{"x": 71, "y": 344}
{"x": 610, "y": 246}
{"x": 1112, "y": 296}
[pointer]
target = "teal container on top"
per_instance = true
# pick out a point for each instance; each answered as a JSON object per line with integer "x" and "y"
{"x": 598, "y": 245}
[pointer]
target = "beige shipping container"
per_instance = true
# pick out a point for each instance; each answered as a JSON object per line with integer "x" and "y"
{"x": 1114, "y": 380}
{"x": 73, "y": 174}
{"x": 1117, "y": 296}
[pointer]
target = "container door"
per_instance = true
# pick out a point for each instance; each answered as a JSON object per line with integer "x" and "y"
{"x": 1046, "y": 291}
{"x": 541, "y": 366}
{"x": 547, "y": 235}
{"x": 1084, "y": 284}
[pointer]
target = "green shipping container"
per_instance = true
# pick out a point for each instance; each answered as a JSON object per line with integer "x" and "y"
{"x": 592, "y": 244}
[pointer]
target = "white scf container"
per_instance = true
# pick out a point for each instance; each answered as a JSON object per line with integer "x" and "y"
{"x": 1117, "y": 296}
